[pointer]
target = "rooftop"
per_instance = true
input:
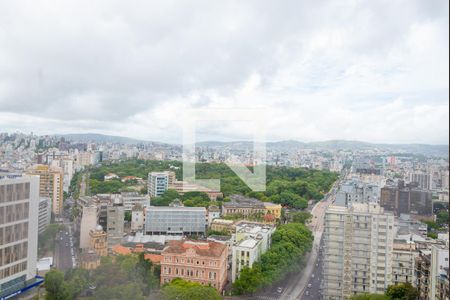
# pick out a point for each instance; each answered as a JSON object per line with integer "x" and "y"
{"x": 201, "y": 248}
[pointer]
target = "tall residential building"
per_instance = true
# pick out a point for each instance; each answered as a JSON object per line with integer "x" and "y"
{"x": 115, "y": 223}
{"x": 158, "y": 183}
{"x": 19, "y": 206}
{"x": 198, "y": 261}
{"x": 358, "y": 243}
{"x": 51, "y": 180}
{"x": 44, "y": 213}
{"x": 356, "y": 191}
{"x": 438, "y": 268}
{"x": 422, "y": 179}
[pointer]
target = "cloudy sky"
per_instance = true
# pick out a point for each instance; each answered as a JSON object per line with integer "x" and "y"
{"x": 375, "y": 71}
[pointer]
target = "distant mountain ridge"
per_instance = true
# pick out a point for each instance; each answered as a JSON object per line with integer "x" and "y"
{"x": 287, "y": 145}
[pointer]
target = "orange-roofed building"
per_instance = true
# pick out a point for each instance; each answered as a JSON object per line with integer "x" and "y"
{"x": 198, "y": 261}
{"x": 154, "y": 258}
{"x": 121, "y": 250}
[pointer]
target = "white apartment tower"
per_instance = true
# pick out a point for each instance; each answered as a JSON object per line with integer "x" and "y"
{"x": 158, "y": 183}
{"x": 358, "y": 243}
{"x": 19, "y": 206}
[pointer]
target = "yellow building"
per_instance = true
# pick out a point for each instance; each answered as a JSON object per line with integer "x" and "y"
{"x": 273, "y": 209}
{"x": 98, "y": 241}
{"x": 51, "y": 183}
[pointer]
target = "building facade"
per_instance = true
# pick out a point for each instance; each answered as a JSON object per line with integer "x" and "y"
{"x": 198, "y": 261}
{"x": 177, "y": 220}
{"x": 115, "y": 224}
{"x": 358, "y": 243}
{"x": 51, "y": 181}
{"x": 19, "y": 208}
{"x": 45, "y": 213}
{"x": 251, "y": 241}
{"x": 158, "y": 183}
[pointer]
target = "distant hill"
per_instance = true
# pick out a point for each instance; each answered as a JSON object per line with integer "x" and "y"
{"x": 288, "y": 145}
{"x": 99, "y": 138}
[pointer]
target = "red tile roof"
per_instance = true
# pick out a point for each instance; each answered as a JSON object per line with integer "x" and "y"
{"x": 202, "y": 248}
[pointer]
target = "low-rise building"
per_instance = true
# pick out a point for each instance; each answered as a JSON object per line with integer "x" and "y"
{"x": 222, "y": 225}
{"x": 251, "y": 241}
{"x": 98, "y": 241}
{"x": 247, "y": 207}
{"x": 197, "y": 261}
{"x": 176, "y": 220}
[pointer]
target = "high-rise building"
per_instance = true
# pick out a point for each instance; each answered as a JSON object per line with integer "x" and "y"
{"x": 19, "y": 206}
{"x": 408, "y": 199}
{"x": 358, "y": 243}
{"x": 51, "y": 180}
{"x": 158, "y": 183}
{"x": 44, "y": 213}
{"x": 422, "y": 179}
{"x": 115, "y": 224}
{"x": 355, "y": 191}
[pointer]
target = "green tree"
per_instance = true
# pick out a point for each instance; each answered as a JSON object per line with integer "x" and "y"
{"x": 119, "y": 292}
{"x": 404, "y": 291}
{"x": 55, "y": 286}
{"x": 179, "y": 289}
{"x": 370, "y": 297}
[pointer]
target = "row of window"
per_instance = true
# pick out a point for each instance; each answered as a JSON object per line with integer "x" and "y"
{"x": 189, "y": 273}
{"x": 14, "y": 192}
{"x": 14, "y": 212}
{"x": 17, "y": 232}
{"x": 13, "y": 253}
{"x": 13, "y": 270}
{"x": 192, "y": 261}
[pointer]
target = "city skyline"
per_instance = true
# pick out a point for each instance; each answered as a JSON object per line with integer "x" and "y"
{"x": 322, "y": 71}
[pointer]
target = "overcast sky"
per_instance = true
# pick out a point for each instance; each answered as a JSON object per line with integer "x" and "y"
{"x": 375, "y": 71}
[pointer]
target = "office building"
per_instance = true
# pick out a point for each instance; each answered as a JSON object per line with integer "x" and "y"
{"x": 44, "y": 213}
{"x": 358, "y": 249}
{"x": 406, "y": 199}
{"x": 19, "y": 209}
{"x": 176, "y": 220}
{"x": 198, "y": 261}
{"x": 158, "y": 183}
{"x": 251, "y": 241}
{"x": 51, "y": 180}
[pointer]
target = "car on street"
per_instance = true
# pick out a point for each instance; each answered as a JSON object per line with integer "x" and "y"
{"x": 279, "y": 290}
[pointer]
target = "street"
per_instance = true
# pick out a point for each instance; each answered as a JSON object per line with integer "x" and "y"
{"x": 64, "y": 253}
{"x": 297, "y": 287}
